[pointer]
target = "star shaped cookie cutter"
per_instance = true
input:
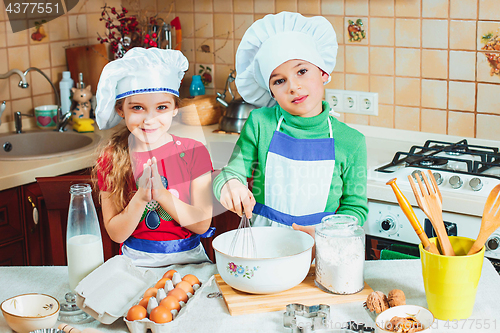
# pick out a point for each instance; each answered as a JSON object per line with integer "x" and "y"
{"x": 302, "y": 318}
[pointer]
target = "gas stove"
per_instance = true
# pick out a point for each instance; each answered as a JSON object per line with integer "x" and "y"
{"x": 465, "y": 175}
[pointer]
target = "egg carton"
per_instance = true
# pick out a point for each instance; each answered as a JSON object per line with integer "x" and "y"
{"x": 111, "y": 289}
{"x": 141, "y": 326}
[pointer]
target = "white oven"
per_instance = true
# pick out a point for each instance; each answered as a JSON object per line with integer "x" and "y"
{"x": 465, "y": 174}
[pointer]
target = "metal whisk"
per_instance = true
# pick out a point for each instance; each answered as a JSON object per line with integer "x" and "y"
{"x": 243, "y": 243}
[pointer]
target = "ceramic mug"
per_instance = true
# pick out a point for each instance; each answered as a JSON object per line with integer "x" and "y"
{"x": 46, "y": 116}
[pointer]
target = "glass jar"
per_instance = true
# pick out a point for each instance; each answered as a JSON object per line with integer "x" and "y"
{"x": 340, "y": 254}
{"x": 83, "y": 236}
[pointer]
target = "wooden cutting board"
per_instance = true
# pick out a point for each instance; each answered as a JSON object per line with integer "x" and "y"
{"x": 306, "y": 293}
{"x": 89, "y": 60}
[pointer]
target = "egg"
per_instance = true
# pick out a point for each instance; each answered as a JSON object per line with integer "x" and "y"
{"x": 150, "y": 292}
{"x": 186, "y": 286}
{"x": 161, "y": 283}
{"x": 144, "y": 302}
{"x": 171, "y": 303}
{"x": 137, "y": 312}
{"x": 169, "y": 273}
{"x": 179, "y": 294}
{"x": 160, "y": 315}
{"x": 191, "y": 279}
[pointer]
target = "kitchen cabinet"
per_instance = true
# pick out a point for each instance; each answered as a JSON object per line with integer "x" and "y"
{"x": 12, "y": 250}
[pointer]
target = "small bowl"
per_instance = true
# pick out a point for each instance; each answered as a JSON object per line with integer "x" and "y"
{"x": 423, "y": 315}
{"x": 29, "y": 312}
{"x": 282, "y": 261}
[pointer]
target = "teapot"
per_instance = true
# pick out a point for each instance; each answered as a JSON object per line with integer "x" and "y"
{"x": 236, "y": 111}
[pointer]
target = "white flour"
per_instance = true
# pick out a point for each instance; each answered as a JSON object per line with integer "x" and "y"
{"x": 340, "y": 263}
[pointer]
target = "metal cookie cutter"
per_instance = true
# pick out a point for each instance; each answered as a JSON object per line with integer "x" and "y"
{"x": 303, "y": 319}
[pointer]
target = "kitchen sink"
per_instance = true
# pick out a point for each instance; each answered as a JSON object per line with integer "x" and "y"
{"x": 45, "y": 144}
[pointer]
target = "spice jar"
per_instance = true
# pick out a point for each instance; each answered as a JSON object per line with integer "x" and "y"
{"x": 340, "y": 254}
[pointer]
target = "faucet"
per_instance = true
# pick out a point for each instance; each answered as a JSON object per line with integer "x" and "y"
{"x": 2, "y": 109}
{"x": 18, "y": 121}
{"x": 23, "y": 83}
{"x": 62, "y": 120}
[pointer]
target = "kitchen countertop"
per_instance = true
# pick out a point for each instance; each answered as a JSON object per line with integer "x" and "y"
{"x": 382, "y": 144}
{"x": 211, "y": 315}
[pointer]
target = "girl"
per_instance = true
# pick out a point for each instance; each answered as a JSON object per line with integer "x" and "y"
{"x": 155, "y": 188}
{"x": 305, "y": 164}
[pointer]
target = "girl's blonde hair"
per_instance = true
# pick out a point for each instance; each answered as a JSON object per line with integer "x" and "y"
{"x": 116, "y": 164}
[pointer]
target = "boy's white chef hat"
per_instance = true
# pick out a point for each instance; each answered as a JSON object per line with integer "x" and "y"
{"x": 140, "y": 71}
{"x": 275, "y": 39}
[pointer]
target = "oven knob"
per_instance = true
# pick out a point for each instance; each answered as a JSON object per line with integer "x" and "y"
{"x": 476, "y": 184}
{"x": 492, "y": 243}
{"x": 456, "y": 182}
{"x": 388, "y": 224}
{"x": 437, "y": 176}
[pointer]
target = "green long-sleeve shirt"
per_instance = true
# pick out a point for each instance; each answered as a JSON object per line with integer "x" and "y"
{"x": 348, "y": 184}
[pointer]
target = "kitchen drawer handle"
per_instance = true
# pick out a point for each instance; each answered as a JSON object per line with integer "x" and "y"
{"x": 35, "y": 212}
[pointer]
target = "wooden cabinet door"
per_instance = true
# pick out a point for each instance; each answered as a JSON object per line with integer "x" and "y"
{"x": 11, "y": 229}
{"x": 35, "y": 225}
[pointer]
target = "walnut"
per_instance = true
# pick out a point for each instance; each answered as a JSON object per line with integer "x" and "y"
{"x": 396, "y": 297}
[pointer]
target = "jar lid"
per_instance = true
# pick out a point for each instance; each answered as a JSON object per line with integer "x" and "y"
{"x": 338, "y": 224}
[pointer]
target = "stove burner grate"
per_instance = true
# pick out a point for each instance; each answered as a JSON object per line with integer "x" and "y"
{"x": 425, "y": 157}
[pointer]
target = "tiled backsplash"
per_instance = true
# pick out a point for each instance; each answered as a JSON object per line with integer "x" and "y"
{"x": 425, "y": 58}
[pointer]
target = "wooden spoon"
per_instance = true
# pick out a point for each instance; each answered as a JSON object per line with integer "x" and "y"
{"x": 490, "y": 221}
{"x": 410, "y": 214}
{"x": 429, "y": 200}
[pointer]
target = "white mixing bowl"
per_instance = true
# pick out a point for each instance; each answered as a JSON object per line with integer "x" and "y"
{"x": 282, "y": 260}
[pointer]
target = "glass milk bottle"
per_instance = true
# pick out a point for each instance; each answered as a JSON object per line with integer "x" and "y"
{"x": 340, "y": 254}
{"x": 83, "y": 236}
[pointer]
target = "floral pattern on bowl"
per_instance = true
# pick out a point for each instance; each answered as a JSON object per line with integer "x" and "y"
{"x": 240, "y": 270}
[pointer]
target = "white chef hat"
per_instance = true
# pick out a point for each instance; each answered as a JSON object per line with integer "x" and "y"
{"x": 275, "y": 39}
{"x": 140, "y": 71}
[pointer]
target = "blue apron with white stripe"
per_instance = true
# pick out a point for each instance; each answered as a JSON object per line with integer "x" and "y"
{"x": 298, "y": 176}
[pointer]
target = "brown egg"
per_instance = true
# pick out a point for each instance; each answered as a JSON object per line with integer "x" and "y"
{"x": 150, "y": 292}
{"x": 169, "y": 273}
{"x": 144, "y": 302}
{"x": 171, "y": 303}
{"x": 191, "y": 279}
{"x": 137, "y": 312}
{"x": 186, "y": 286}
{"x": 179, "y": 294}
{"x": 160, "y": 315}
{"x": 161, "y": 283}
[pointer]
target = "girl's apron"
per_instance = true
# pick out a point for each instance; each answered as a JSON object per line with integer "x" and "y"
{"x": 298, "y": 176}
{"x": 150, "y": 253}
{"x": 156, "y": 253}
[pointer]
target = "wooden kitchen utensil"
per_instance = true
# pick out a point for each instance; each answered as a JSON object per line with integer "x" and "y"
{"x": 429, "y": 199}
{"x": 410, "y": 214}
{"x": 490, "y": 221}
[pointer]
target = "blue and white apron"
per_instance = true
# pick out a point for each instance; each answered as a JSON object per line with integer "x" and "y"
{"x": 150, "y": 253}
{"x": 298, "y": 176}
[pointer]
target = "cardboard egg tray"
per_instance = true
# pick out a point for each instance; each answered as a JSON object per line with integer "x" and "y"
{"x": 110, "y": 290}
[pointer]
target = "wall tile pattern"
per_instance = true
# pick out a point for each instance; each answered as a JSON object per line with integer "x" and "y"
{"x": 423, "y": 57}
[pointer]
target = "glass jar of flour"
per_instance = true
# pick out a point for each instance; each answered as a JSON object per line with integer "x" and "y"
{"x": 340, "y": 254}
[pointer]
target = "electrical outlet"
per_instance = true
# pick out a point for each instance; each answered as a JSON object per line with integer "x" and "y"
{"x": 350, "y": 102}
{"x": 368, "y": 103}
{"x": 359, "y": 102}
{"x": 335, "y": 98}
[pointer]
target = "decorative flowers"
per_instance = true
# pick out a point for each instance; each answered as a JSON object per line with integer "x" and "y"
{"x": 243, "y": 271}
{"x": 492, "y": 43}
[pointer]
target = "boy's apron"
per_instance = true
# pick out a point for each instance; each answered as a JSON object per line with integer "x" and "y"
{"x": 150, "y": 253}
{"x": 298, "y": 177}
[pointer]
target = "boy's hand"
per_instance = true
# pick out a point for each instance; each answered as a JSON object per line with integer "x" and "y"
{"x": 237, "y": 198}
{"x": 157, "y": 190}
{"x": 145, "y": 184}
{"x": 310, "y": 229}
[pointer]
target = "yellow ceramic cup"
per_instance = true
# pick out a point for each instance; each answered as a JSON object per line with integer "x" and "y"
{"x": 451, "y": 282}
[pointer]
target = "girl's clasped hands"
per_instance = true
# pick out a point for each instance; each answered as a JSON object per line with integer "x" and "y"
{"x": 150, "y": 184}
